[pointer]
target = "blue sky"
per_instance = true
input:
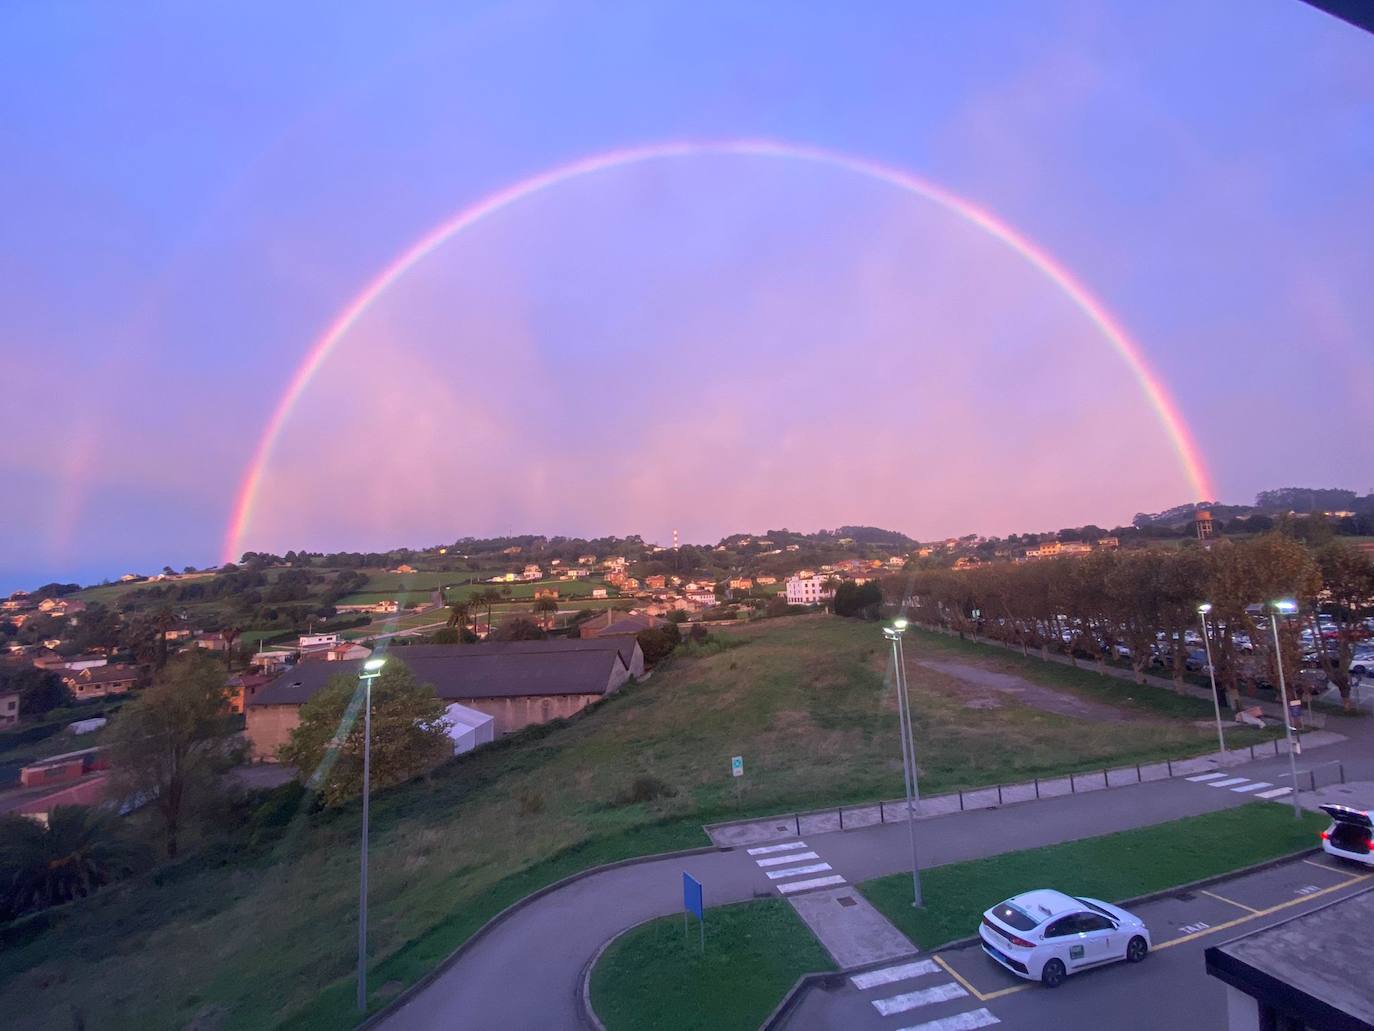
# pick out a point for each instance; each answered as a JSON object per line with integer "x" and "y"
{"x": 195, "y": 190}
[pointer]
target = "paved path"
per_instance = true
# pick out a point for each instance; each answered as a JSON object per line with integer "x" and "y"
{"x": 526, "y": 972}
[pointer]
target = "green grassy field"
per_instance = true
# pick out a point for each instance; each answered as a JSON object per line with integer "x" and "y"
{"x": 404, "y": 598}
{"x": 1113, "y": 867}
{"x": 655, "y": 977}
{"x": 257, "y": 938}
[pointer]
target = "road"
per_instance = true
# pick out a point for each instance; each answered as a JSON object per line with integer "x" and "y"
{"x": 526, "y": 972}
{"x": 959, "y": 990}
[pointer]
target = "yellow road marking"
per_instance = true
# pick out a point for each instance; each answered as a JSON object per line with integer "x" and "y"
{"x": 980, "y": 996}
{"x": 1232, "y": 902}
{"x": 1261, "y": 912}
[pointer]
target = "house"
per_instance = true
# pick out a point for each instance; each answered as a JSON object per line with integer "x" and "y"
{"x": 764, "y": 580}
{"x": 615, "y": 562}
{"x": 546, "y": 592}
{"x": 404, "y": 568}
{"x": 514, "y": 549}
{"x": 243, "y": 686}
{"x": 46, "y": 659}
{"x": 896, "y": 561}
{"x": 99, "y": 681}
{"x": 532, "y": 572}
{"x": 314, "y": 640}
{"x": 701, "y": 597}
{"x": 502, "y": 578}
{"x": 1053, "y": 549}
{"x": 179, "y": 634}
{"x": 741, "y": 583}
{"x": 213, "y": 642}
{"x": 811, "y": 590}
{"x": 966, "y": 562}
{"x": 1109, "y": 542}
{"x": 629, "y": 583}
{"x": 555, "y": 562}
{"x": 792, "y": 547}
{"x": 129, "y": 578}
{"x": 517, "y": 683}
{"x": 598, "y": 592}
{"x": 273, "y": 660}
{"x": 586, "y": 560}
{"x": 344, "y": 651}
{"x": 656, "y": 583}
{"x": 9, "y": 708}
{"x": 618, "y": 624}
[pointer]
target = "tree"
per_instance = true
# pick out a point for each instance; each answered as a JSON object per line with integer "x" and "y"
{"x": 862, "y": 601}
{"x": 409, "y": 733}
{"x": 658, "y": 643}
{"x": 1347, "y": 577}
{"x": 520, "y": 629}
{"x": 79, "y": 850}
{"x": 170, "y": 741}
{"x": 39, "y": 690}
{"x": 446, "y": 635}
{"x": 459, "y": 613}
{"x": 548, "y": 608}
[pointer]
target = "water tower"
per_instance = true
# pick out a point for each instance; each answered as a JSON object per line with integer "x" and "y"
{"x": 1202, "y": 523}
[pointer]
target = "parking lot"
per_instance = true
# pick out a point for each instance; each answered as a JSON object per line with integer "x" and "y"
{"x": 962, "y": 989}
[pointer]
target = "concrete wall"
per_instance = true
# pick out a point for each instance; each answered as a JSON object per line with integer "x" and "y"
{"x": 269, "y": 727}
{"x": 516, "y": 713}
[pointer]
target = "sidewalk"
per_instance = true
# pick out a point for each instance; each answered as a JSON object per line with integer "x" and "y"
{"x": 844, "y": 818}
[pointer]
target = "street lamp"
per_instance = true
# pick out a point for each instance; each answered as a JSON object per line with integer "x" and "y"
{"x": 1287, "y": 608}
{"x": 894, "y": 634}
{"x": 1202, "y": 611}
{"x": 371, "y": 670}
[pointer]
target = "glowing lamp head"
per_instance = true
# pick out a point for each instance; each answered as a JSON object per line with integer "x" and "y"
{"x": 373, "y": 665}
{"x": 1285, "y": 606}
{"x": 899, "y": 623}
{"x": 1205, "y": 607}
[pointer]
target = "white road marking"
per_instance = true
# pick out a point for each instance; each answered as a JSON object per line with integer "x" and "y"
{"x": 902, "y": 972}
{"x": 1276, "y": 793}
{"x": 763, "y": 850}
{"x": 923, "y": 997}
{"x": 1205, "y": 776}
{"x": 796, "y": 871}
{"x": 815, "y": 882}
{"x": 794, "y": 857}
{"x": 969, "y": 1020}
{"x": 1254, "y": 786}
{"x": 1193, "y": 928}
{"x": 1227, "y": 782}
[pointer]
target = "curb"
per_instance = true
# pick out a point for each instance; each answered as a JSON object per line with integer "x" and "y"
{"x": 396, "y": 1004}
{"x": 585, "y": 995}
{"x": 821, "y": 978}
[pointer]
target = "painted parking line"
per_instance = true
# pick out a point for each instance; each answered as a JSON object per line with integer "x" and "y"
{"x": 1276, "y": 793}
{"x": 967, "y": 1021}
{"x": 815, "y": 882}
{"x": 794, "y": 857}
{"x": 921, "y": 997}
{"x": 1253, "y": 786}
{"x": 764, "y": 850}
{"x": 797, "y": 871}
{"x": 1204, "y": 776}
{"x": 980, "y": 996}
{"x": 1223, "y": 898}
{"x": 1328, "y": 867}
{"x": 1228, "y": 782}
{"x": 888, "y": 975}
{"x": 1261, "y": 912}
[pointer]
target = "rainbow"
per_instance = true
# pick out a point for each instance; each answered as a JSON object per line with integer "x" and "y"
{"x": 1157, "y": 395}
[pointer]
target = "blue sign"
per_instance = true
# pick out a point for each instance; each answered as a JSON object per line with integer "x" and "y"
{"x": 691, "y": 895}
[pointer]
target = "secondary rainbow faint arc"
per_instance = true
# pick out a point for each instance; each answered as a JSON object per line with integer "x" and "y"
{"x": 1154, "y": 390}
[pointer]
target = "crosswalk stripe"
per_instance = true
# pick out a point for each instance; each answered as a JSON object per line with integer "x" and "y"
{"x": 1276, "y": 793}
{"x": 796, "y": 871}
{"x": 921, "y": 997}
{"x": 1227, "y": 782}
{"x": 1254, "y": 786}
{"x": 901, "y": 972}
{"x": 969, "y": 1020}
{"x": 794, "y": 857}
{"x": 1205, "y": 776}
{"x": 815, "y": 882}
{"x": 763, "y": 850}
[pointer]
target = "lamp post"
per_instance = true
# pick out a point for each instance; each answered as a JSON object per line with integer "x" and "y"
{"x": 1275, "y": 608}
{"x": 894, "y": 634}
{"x": 372, "y": 669}
{"x": 1202, "y": 611}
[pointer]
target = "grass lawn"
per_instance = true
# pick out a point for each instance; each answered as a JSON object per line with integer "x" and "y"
{"x": 403, "y": 598}
{"x": 654, "y": 977}
{"x": 263, "y": 938}
{"x": 1111, "y": 867}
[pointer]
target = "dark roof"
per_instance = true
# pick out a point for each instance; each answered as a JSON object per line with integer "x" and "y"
{"x": 1314, "y": 967}
{"x": 102, "y": 674}
{"x": 505, "y": 669}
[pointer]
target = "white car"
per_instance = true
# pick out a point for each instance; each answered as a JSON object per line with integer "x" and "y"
{"x": 1045, "y": 935}
{"x": 1351, "y": 834}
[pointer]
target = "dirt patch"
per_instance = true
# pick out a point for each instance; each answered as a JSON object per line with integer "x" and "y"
{"x": 1027, "y": 693}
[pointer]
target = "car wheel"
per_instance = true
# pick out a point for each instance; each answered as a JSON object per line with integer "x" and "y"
{"x": 1053, "y": 974}
{"x": 1136, "y": 950}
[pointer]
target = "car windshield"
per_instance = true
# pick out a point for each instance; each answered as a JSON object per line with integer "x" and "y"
{"x": 1014, "y": 916}
{"x": 1096, "y": 908}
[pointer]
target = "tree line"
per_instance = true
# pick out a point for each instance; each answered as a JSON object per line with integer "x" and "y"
{"x": 1142, "y": 605}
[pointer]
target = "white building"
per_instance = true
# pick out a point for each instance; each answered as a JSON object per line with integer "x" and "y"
{"x": 810, "y": 590}
{"x": 314, "y": 640}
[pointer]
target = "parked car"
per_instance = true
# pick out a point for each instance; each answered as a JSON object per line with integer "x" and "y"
{"x": 1045, "y": 935}
{"x": 1349, "y": 836}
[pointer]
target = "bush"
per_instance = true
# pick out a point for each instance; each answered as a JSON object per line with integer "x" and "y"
{"x": 658, "y": 644}
{"x": 645, "y": 788}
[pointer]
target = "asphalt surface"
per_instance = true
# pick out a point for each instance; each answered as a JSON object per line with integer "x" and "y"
{"x": 526, "y": 972}
{"x": 962, "y": 989}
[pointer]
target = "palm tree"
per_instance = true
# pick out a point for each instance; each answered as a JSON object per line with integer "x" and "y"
{"x": 459, "y": 614}
{"x": 549, "y": 608}
{"x": 79, "y": 850}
